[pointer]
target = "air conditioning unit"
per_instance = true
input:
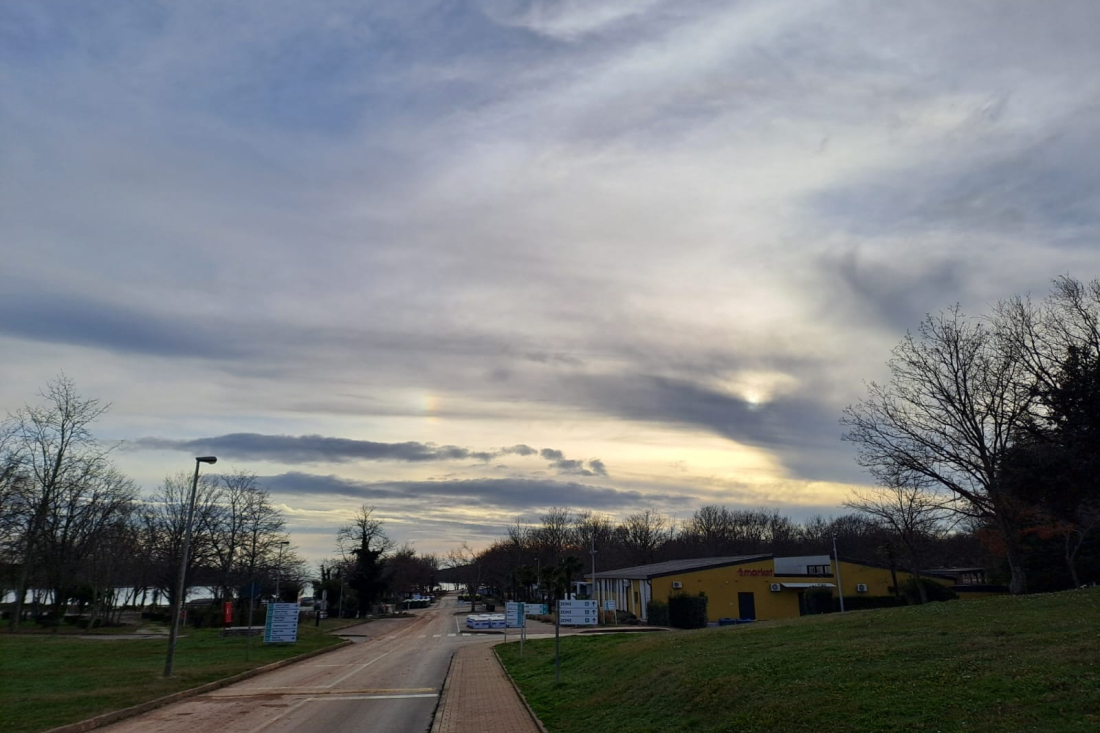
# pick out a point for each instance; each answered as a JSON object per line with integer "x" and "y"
{"x": 861, "y": 588}
{"x": 677, "y": 585}
{"x": 777, "y": 587}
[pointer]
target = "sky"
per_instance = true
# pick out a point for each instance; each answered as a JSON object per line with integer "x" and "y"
{"x": 465, "y": 261}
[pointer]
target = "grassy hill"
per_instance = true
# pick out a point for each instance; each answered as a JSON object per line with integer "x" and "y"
{"x": 1000, "y": 664}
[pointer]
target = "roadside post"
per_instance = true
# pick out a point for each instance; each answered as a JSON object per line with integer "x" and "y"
{"x": 572, "y": 613}
{"x": 515, "y": 617}
{"x": 248, "y": 632}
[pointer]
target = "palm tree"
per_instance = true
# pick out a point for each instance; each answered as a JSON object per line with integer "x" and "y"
{"x": 564, "y": 572}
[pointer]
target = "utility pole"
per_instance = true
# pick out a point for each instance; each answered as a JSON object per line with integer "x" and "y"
{"x": 595, "y": 595}
{"x": 279, "y": 569}
{"x": 839, "y": 587}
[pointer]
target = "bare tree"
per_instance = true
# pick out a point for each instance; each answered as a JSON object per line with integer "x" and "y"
{"x": 164, "y": 520}
{"x": 554, "y": 535}
{"x": 643, "y": 534}
{"x": 364, "y": 542}
{"x": 470, "y": 569}
{"x": 78, "y": 525}
{"x": 949, "y": 413}
{"x": 53, "y": 461}
{"x": 911, "y": 511}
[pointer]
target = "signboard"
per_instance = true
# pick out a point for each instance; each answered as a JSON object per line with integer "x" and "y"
{"x": 609, "y": 605}
{"x": 227, "y": 613}
{"x": 578, "y": 613}
{"x": 536, "y": 609}
{"x": 513, "y": 615}
{"x": 282, "y": 623}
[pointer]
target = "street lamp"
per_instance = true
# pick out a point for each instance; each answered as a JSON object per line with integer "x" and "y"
{"x": 595, "y": 594}
{"x": 177, "y": 610}
{"x": 279, "y": 568}
{"x": 538, "y": 578}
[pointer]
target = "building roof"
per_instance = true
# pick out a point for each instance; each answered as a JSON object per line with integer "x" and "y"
{"x": 671, "y": 567}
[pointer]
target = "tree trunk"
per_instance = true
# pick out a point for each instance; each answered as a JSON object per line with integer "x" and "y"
{"x": 1071, "y": 553}
{"x": 20, "y": 594}
{"x": 1017, "y": 584}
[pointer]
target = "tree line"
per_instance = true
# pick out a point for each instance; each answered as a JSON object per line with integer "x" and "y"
{"x": 73, "y": 529}
{"x": 542, "y": 559}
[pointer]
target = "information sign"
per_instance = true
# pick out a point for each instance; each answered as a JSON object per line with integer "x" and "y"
{"x": 609, "y": 605}
{"x": 513, "y": 615}
{"x": 282, "y": 623}
{"x": 536, "y": 609}
{"x": 578, "y": 613}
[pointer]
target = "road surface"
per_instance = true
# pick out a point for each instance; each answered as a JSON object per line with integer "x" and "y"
{"x": 388, "y": 682}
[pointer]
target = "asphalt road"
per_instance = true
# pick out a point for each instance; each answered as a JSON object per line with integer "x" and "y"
{"x": 388, "y": 682}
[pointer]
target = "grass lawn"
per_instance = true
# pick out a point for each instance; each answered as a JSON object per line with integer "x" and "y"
{"x": 47, "y": 680}
{"x": 1000, "y": 665}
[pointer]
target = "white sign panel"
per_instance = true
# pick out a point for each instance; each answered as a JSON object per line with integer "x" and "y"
{"x": 578, "y": 613}
{"x": 282, "y": 623}
{"x": 513, "y": 615}
{"x": 609, "y": 605}
{"x": 536, "y": 609}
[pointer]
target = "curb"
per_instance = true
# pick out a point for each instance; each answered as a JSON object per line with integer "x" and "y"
{"x": 522, "y": 699}
{"x": 437, "y": 719}
{"x": 116, "y": 715}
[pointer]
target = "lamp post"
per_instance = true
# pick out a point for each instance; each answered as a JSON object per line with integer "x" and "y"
{"x": 595, "y": 594}
{"x": 538, "y": 579}
{"x": 839, "y": 587}
{"x": 279, "y": 568}
{"x": 177, "y": 610}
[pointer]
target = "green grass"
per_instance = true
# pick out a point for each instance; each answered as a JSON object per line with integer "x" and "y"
{"x": 47, "y": 680}
{"x": 1000, "y": 665}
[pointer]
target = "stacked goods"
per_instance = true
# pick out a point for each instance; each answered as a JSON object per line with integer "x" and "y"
{"x": 482, "y": 621}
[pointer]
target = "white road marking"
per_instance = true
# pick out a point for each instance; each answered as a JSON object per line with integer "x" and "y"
{"x": 436, "y": 636}
{"x": 450, "y": 634}
{"x": 357, "y": 668}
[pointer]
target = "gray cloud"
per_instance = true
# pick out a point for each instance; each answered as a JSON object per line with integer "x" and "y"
{"x": 311, "y": 449}
{"x": 290, "y": 449}
{"x": 506, "y": 493}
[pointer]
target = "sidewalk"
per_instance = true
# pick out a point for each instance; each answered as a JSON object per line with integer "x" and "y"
{"x": 478, "y": 697}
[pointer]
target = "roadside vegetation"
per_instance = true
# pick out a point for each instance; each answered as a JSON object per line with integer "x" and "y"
{"x": 47, "y": 680}
{"x": 1007, "y": 663}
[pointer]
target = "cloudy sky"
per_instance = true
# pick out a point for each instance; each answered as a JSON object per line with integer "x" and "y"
{"x": 467, "y": 260}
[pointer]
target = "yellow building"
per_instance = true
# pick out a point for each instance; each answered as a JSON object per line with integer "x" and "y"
{"x": 745, "y": 586}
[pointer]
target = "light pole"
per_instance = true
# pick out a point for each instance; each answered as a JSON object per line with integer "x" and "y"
{"x": 538, "y": 578}
{"x": 177, "y": 610}
{"x": 839, "y": 587}
{"x": 595, "y": 595}
{"x": 279, "y": 568}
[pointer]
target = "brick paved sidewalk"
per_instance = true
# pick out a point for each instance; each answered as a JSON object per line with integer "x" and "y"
{"x": 478, "y": 697}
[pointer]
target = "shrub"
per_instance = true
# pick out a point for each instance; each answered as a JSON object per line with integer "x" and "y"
{"x": 910, "y": 589}
{"x": 862, "y": 603}
{"x": 657, "y": 613}
{"x": 818, "y": 600}
{"x": 687, "y": 612}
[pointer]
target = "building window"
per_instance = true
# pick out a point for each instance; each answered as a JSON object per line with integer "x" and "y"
{"x": 817, "y": 570}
